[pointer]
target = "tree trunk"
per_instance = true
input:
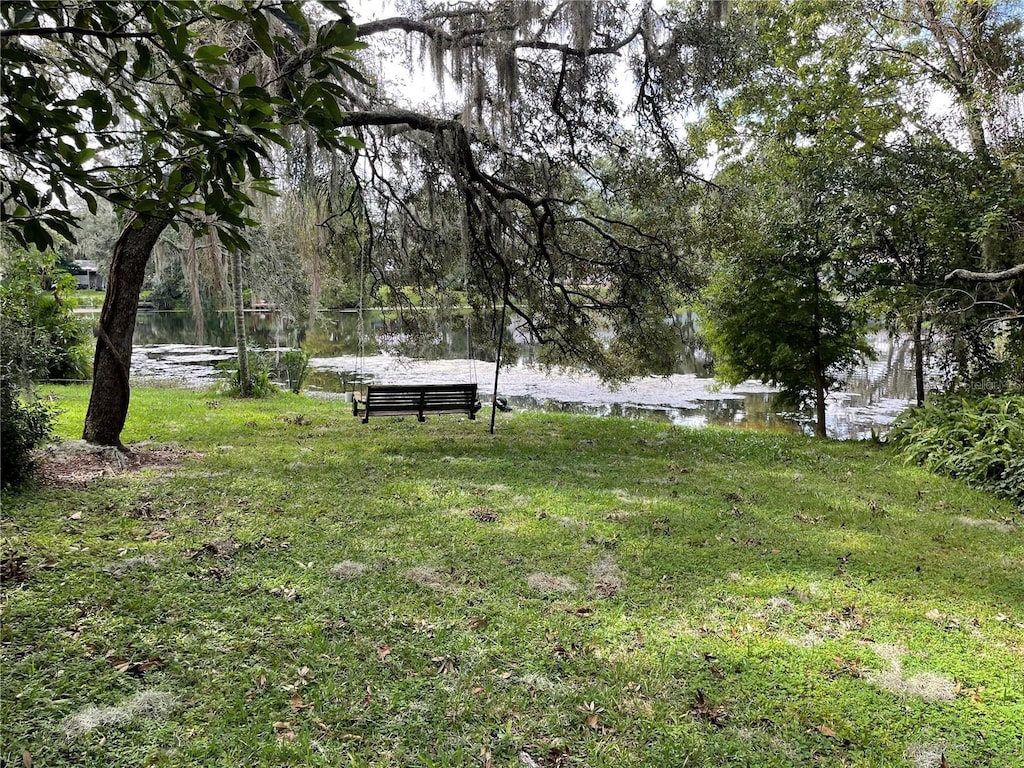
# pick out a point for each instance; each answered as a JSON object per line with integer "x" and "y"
{"x": 108, "y": 404}
{"x": 918, "y": 360}
{"x": 816, "y": 362}
{"x": 195, "y": 293}
{"x": 244, "y": 382}
{"x": 819, "y": 397}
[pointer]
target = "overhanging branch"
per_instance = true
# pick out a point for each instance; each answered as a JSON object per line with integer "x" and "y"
{"x": 987, "y": 277}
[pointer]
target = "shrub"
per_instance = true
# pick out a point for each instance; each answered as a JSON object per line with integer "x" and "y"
{"x": 260, "y": 382}
{"x": 296, "y": 364}
{"x": 977, "y": 439}
{"x": 42, "y": 338}
{"x": 23, "y": 426}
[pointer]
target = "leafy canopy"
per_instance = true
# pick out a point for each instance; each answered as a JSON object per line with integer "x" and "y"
{"x": 131, "y": 102}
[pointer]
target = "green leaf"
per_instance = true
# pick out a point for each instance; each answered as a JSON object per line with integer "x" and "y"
{"x": 143, "y": 58}
{"x": 211, "y": 54}
{"x": 226, "y": 12}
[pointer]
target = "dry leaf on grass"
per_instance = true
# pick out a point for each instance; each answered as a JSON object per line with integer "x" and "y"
{"x": 703, "y": 709}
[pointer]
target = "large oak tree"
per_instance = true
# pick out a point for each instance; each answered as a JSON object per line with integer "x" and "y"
{"x": 137, "y": 103}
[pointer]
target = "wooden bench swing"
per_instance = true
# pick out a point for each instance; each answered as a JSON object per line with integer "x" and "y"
{"x": 415, "y": 400}
{"x": 421, "y": 399}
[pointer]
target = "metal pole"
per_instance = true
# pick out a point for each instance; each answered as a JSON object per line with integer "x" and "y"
{"x": 501, "y": 344}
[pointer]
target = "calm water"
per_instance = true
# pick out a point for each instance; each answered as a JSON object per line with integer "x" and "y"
{"x": 168, "y": 346}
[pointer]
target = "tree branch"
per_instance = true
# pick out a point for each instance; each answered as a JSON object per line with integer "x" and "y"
{"x": 987, "y": 277}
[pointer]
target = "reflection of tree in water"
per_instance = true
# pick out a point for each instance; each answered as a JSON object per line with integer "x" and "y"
{"x": 890, "y": 375}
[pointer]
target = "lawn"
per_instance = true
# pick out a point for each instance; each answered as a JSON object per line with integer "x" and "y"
{"x": 300, "y": 589}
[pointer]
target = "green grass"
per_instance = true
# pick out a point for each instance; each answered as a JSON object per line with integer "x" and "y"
{"x": 753, "y": 589}
{"x": 86, "y": 298}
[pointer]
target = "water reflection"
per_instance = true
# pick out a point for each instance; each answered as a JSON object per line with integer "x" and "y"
{"x": 873, "y": 395}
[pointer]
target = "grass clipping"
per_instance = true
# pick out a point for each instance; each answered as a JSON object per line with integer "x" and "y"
{"x": 147, "y": 705}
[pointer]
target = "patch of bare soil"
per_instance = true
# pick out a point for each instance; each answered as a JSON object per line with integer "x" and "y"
{"x": 926, "y": 685}
{"x": 607, "y": 578}
{"x": 430, "y": 577}
{"x": 1002, "y": 526}
{"x": 76, "y": 463}
{"x": 147, "y": 705}
{"x": 551, "y": 584}
{"x": 348, "y": 569}
{"x": 926, "y": 755}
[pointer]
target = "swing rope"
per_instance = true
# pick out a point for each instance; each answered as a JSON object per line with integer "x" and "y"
{"x": 501, "y": 344}
{"x": 361, "y": 323}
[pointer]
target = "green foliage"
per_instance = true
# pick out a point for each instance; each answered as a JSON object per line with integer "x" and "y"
{"x": 261, "y": 383}
{"x": 296, "y": 365}
{"x": 778, "y": 307}
{"x": 200, "y": 138}
{"x": 42, "y": 338}
{"x": 171, "y": 292}
{"x": 977, "y": 439}
{"x": 23, "y": 426}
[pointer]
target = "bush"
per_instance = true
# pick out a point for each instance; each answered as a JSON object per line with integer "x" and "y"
{"x": 296, "y": 364}
{"x": 977, "y": 439}
{"x": 41, "y": 336}
{"x": 260, "y": 382}
{"x": 23, "y": 426}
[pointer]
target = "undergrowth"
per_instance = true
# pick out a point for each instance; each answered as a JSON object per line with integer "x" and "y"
{"x": 979, "y": 440}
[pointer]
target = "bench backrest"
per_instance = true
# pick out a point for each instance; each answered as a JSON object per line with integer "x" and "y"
{"x": 397, "y": 399}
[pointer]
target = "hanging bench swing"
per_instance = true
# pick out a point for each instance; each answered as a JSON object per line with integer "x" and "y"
{"x": 415, "y": 400}
{"x": 419, "y": 399}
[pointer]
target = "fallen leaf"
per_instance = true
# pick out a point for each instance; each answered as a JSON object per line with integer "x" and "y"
{"x": 384, "y": 651}
{"x": 75, "y": 516}
{"x": 283, "y": 731}
{"x": 703, "y": 709}
{"x": 26, "y": 759}
{"x": 824, "y": 730}
{"x": 477, "y": 622}
{"x": 592, "y": 721}
{"x": 477, "y": 691}
{"x": 296, "y": 703}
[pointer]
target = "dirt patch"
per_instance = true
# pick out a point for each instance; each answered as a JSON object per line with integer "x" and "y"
{"x": 348, "y": 569}
{"x": 926, "y": 685}
{"x": 780, "y": 605}
{"x": 76, "y": 463}
{"x": 484, "y": 514}
{"x": 809, "y": 639}
{"x": 550, "y": 584}
{"x": 222, "y": 549}
{"x": 606, "y": 577}
{"x": 1002, "y": 526}
{"x": 13, "y": 568}
{"x": 429, "y": 577}
{"x": 147, "y": 705}
{"x": 619, "y": 515}
{"x": 926, "y": 755}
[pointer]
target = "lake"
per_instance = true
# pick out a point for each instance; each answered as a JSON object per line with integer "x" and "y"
{"x": 168, "y": 347}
